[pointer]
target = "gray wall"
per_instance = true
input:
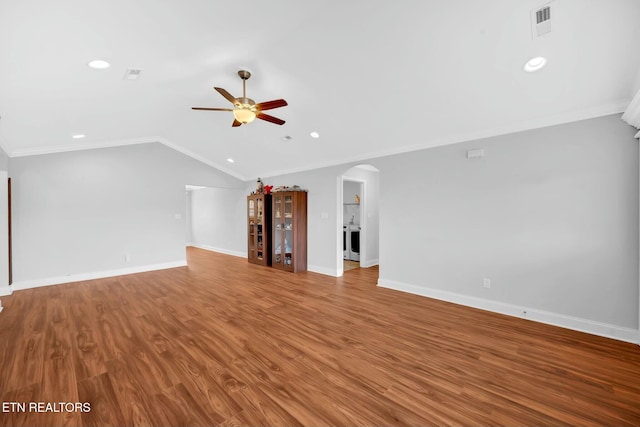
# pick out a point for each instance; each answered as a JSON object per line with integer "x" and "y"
{"x": 549, "y": 215}
{"x": 217, "y": 220}
{"x": 4, "y": 160}
{"x": 81, "y": 212}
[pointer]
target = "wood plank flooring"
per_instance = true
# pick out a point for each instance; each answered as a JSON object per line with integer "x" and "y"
{"x": 225, "y": 342}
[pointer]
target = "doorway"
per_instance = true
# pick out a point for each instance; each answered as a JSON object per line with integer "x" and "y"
{"x": 358, "y": 225}
{"x": 352, "y": 197}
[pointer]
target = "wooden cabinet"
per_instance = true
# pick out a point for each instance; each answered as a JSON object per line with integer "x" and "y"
{"x": 259, "y": 228}
{"x": 289, "y": 230}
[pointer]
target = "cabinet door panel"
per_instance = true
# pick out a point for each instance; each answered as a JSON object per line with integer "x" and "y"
{"x": 289, "y": 231}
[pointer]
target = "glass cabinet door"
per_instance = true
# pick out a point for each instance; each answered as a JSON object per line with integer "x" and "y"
{"x": 288, "y": 229}
{"x": 252, "y": 231}
{"x": 251, "y": 212}
{"x": 259, "y": 230}
{"x": 289, "y": 215}
{"x": 277, "y": 235}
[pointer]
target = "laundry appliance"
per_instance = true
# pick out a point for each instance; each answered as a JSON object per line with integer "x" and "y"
{"x": 351, "y": 242}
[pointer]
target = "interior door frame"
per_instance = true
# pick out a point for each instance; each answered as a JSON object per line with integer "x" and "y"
{"x": 10, "y": 255}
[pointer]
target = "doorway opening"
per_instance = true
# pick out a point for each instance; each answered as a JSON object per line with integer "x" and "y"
{"x": 212, "y": 221}
{"x": 358, "y": 226}
{"x": 352, "y": 194}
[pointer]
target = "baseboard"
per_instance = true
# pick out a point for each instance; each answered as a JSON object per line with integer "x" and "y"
{"x": 5, "y": 291}
{"x": 369, "y": 263}
{"x": 577, "y": 324}
{"x": 36, "y": 283}
{"x": 220, "y": 250}
{"x": 323, "y": 270}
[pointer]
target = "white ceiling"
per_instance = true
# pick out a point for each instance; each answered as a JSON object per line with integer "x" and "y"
{"x": 372, "y": 77}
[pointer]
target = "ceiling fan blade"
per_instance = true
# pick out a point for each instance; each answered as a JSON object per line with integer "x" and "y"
{"x": 269, "y": 118}
{"x": 226, "y": 94}
{"x": 236, "y": 123}
{"x": 211, "y": 109}
{"x": 269, "y": 105}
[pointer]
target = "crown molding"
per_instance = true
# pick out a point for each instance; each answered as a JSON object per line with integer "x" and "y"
{"x": 35, "y": 151}
{"x": 615, "y": 107}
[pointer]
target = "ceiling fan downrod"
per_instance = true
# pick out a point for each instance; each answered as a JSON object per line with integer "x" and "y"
{"x": 244, "y": 75}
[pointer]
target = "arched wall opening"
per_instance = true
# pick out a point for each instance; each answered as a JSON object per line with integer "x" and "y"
{"x": 358, "y": 215}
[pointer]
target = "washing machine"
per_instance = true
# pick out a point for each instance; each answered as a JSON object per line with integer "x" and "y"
{"x": 351, "y": 242}
{"x": 344, "y": 242}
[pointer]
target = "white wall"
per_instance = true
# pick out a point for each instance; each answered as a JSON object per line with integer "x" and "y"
{"x": 549, "y": 215}
{"x": 4, "y": 160}
{"x": 4, "y": 235}
{"x": 217, "y": 219}
{"x": 81, "y": 212}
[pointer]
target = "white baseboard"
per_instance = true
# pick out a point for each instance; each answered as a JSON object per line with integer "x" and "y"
{"x": 221, "y": 250}
{"x": 583, "y": 325}
{"x": 5, "y": 291}
{"x": 36, "y": 283}
{"x": 323, "y": 270}
{"x": 369, "y": 263}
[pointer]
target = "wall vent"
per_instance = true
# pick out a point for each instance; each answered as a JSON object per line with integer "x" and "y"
{"x": 541, "y": 20}
{"x": 132, "y": 74}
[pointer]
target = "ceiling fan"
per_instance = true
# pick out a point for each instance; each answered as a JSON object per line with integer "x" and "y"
{"x": 245, "y": 109}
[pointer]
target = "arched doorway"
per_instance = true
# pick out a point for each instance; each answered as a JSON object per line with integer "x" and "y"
{"x": 358, "y": 222}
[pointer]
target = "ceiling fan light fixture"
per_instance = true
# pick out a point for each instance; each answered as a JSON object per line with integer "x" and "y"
{"x": 244, "y": 115}
{"x": 245, "y": 110}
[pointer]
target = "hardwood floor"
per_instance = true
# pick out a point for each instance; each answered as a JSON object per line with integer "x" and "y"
{"x": 350, "y": 265}
{"x": 225, "y": 342}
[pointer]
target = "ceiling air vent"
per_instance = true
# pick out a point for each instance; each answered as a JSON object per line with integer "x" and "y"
{"x": 541, "y": 20}
{"x": 132, "y": 74}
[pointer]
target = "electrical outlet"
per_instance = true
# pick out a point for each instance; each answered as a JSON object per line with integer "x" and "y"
{"x": 127, "y": 258}
{"x": 486, "y": 282}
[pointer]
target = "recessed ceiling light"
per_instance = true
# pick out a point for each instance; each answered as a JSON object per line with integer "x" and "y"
{"x": 78, "y": 136}
{"x": 286, "y": 138}
{"x": 99, "y": 64}
{"x": 535, "y": 64}
{"x": 314, "y": 135}
{"x": 230, "y": 160}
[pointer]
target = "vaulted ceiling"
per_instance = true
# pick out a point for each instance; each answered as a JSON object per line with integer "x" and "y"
{"x": 371, "y": 77}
